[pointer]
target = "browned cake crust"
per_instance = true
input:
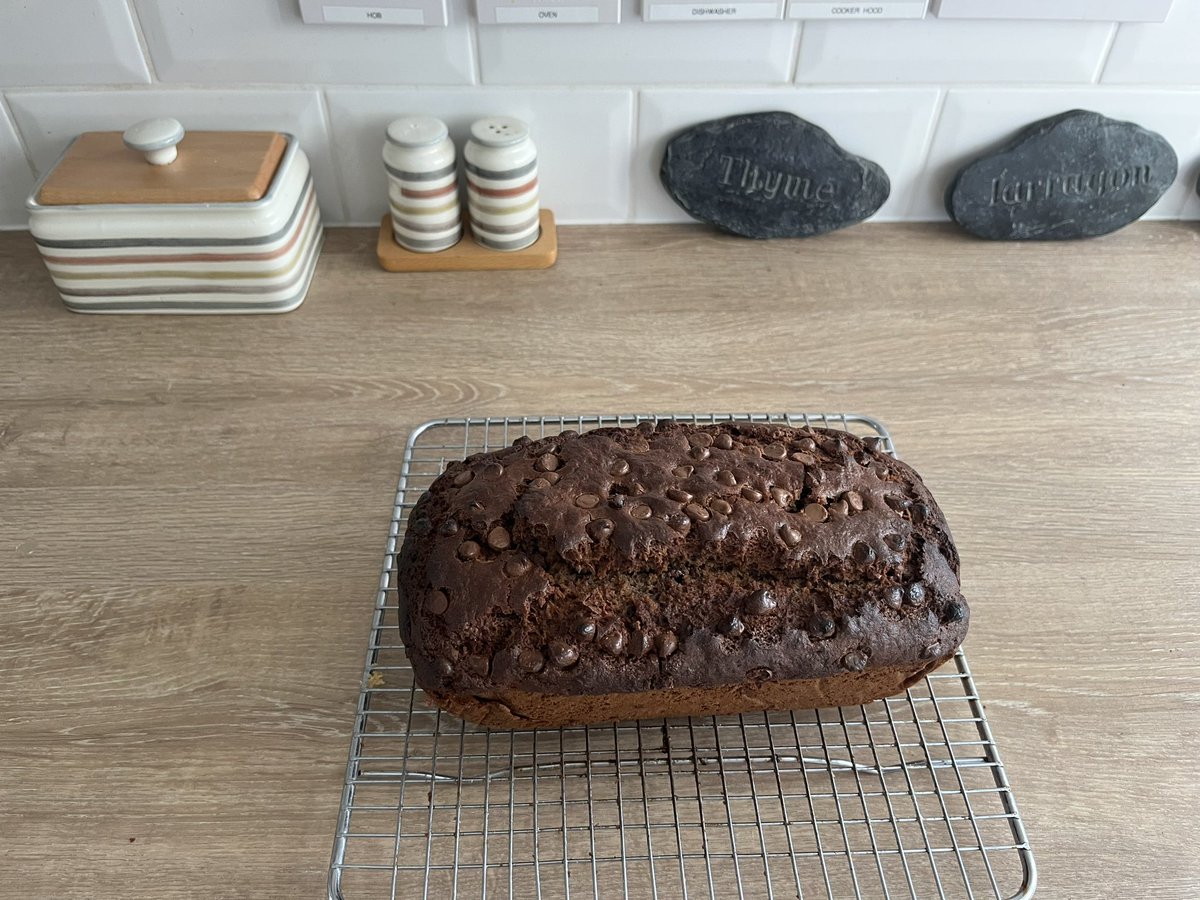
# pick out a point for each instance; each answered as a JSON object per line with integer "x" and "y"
{"x": 675, "y": 570}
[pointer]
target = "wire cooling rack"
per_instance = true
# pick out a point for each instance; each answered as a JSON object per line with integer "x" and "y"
{"x": 904, "y": 797}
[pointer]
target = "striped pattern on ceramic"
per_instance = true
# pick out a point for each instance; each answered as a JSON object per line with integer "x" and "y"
{"x": 504, "y": 206}
{"x": 259, "y": 274}
{"x": 422, "y": 184}
{"x": 251, "y": 257}
{"x": 502, "y": 184}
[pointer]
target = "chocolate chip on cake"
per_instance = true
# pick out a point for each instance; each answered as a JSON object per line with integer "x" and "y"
{"x": 679, "y": 496}
{"x": 679, "y": 522}
{"x": 873, "y": 444}
{"x": 586, "y": 630}
{"x": 468, "y": 550}
{"x": 751, "y": 494}
{"x": 815, "y": 512}
{"x": 463, "y": 477}
{"x": 807, "y": 444}
{"x": 760, "y": 602}
{"x": 894, "y": 597}
{"x": 599, "y": 529}
{"x": 930, "y": 650}
{"x": 547, "y": 462}
{"x": 443, "y": 668}
{"x": 612, "y": 640}
{"x": 899, "y": 504}
{"x": 517, "y": 566}
{"x": 493, "y": 470}
{"x": 522, "y": 441}
{"x": 840, "y": 507}
{"x": 854, "y": 661}
{"x": 896, "y": 541}
{"x": 720, "y": 506}
{"x": 683, "y": 471}
{"x": 618, "y": 468}
{"x": 587, "y": 501}
{"x": 699, "y": 453}
{"x": 665, "y": 644}
{"x": 640, "y": 511}
{"x": 499, "y": 538}
{"x": 862, "y": 553}
{"x": 617, "y": 501}
{"x": 551, "y": 477}
{"x": 726, "y": 478}
{"x": 639, "y": 644}
{"x": 733, "y": 626}
{"x": 448, "y": 527}
{"x": 790, "y": 535}
{"x": 563, "y": 654}
{"x": 774, "y": 451}
{"x": 821, "y": 627}
{"x": 954, "y": 612}
{"x": 781, "y": 497}
{"x": 539, "y": 484}
{"x": 477, "y": 665}
{"x": 437, "y": 602}
{"x": 915, "y": 595}
{"x": 697, "y": 512}
{"x": 854, "y": 500}
{"x": 920, "y": 512}
{"x": 723, "y": 441}
{"x": 531, "y": 660}
{"x": 700, "y": 439}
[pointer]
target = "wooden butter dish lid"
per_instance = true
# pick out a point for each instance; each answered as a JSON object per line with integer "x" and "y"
{"x": 156, "y": 162}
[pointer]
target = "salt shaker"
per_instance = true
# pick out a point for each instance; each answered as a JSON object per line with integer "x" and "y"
{"x": 422, "y": 184}
{"x": 502, "y": 184}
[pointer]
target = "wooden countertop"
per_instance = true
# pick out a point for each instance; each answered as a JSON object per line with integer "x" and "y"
{"x": 192, "y": 513}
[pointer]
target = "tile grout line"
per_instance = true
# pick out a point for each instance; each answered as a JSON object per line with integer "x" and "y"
{"x": 473, "y": 41}
{"x": 1102, "y": 67}
{"x": 794, "y": 62}
{"x": 334, "y": 156}
{"x": 935, "y": 122}
{"x": 143, "y": 44}
{"x": 635, "y": 134}
{"x": 7, "y": 111}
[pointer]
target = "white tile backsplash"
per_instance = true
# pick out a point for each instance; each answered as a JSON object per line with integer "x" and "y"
{"x": 637, "y": 53}
{"x": 974, "y": 121}
{"x": 79, "y": 42}
{"x": 889, "y": 126}
{"x": 583, "y": 139}
{"x": 602, "y": 99}
{"x": 16, "y": 178}
{"x": 942, "y": 51}
{"x": 48, "y": 120}
{"x": 238, "y": 42}
{"x": 1158, "y": 54}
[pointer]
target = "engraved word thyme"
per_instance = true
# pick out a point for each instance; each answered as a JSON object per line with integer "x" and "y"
{"x": 752, "y": 179}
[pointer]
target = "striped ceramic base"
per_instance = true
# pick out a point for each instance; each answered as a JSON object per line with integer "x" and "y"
{"x": 425, "y": 210}
{"x": 503, "y": 206}
{"x": 265, "y": 273}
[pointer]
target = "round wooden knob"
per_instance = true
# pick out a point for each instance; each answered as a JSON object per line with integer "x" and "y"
{"x": 156, "y": 139}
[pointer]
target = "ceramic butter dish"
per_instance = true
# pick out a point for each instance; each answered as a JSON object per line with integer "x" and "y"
{"x": 158, "y": 221}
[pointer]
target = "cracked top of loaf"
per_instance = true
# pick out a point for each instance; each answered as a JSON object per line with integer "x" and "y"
{"x": 675, "y": 556}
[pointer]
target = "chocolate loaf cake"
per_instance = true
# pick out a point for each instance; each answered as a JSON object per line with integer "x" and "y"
{"x": 675, "y": 570}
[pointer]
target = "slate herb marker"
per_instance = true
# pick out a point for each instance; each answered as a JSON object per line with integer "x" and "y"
{"x": 768, "y": 175}
{"x": 1074, "y": 175}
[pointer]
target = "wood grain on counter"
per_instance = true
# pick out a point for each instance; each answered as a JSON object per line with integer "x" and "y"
{"x": 192, "y": 512}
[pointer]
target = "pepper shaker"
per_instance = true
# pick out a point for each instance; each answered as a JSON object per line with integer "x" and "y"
{"x": 502, "y": 184}
{"x": 422, "y": 184}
